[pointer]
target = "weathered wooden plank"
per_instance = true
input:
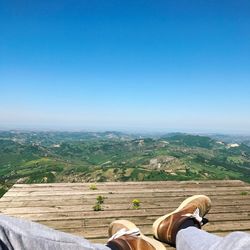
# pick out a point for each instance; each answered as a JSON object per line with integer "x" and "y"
{"x": 110, "y": 204}
{"x": 139, "y": 220}
{"x": 110, "y": 188}
{"x": 110, "y": 199}
{"x": 122, "y": 191}
{"x": 138, "y": 183}
{"x": 102, "y": 232}
{"x": 120, "y": 213}
{"x": 142, "y": 185}
{"x": 166, "y": 194}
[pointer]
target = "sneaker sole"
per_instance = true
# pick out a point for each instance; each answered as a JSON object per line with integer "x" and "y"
{"x": 183, "y": 204}
{"x": 130, "y": 225}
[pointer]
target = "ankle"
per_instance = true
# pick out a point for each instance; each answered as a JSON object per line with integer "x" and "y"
{"x": 189, "y": 222}
{"x": 112, "y": 247}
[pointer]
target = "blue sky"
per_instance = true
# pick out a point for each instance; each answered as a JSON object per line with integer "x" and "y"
{"x": 125, "y": 65}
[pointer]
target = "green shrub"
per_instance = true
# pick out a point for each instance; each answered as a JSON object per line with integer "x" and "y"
{"x": 99, "y": 202}
{"x": 100, "y": 199}
{"x": 244, "y": 193}
{"x": 97, "y": 207}
{"x": 93, "y": 187}
{"x": 2, "y": 192}
{"x": 136, "y": 204}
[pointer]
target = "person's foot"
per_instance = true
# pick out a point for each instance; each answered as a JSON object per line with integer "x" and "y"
{"x": 190, "y": 212}
{"x": 126, "y": 236}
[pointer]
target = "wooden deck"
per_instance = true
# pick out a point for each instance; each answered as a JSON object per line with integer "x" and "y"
{"x": 69, "y": 207}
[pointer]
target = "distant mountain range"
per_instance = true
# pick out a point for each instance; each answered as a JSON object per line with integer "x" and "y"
{"x": 41, "y": 157}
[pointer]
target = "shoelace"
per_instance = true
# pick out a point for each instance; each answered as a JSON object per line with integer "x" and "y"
{"x": 123, "y": 231}
{"x": 196, "y": 216}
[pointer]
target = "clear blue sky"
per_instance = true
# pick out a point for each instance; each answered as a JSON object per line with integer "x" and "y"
{"x": 125, "y": 65}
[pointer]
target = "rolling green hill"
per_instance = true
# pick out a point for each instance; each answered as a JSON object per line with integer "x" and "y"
{"x": 39, "y": 157}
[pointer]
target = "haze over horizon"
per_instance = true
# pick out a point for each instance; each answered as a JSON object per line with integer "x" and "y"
{"x": 127, "y": 66}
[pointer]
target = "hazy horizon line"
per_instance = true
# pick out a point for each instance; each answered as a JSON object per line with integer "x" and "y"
{"x": 128, "y": 131}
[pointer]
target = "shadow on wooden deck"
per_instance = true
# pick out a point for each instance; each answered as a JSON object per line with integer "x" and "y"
{"x": 69, "y": 207}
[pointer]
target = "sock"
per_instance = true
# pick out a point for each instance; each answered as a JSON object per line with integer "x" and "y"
{"x": 191, "y": 222}
{"x": 188, "y": 223}
{"x": 112, "y": 247}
